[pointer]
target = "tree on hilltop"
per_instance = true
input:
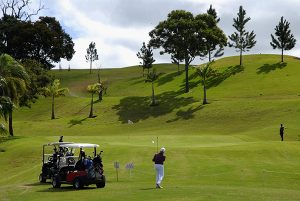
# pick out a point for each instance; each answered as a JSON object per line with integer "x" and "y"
{"x": 19, "y": 9}
{"x": 211, "y": 11}
{"x": 146, "y": 55}
{"x": 215, "y": 37}
{"x": 241, "y": 39}
{"x": 91, "y": 54}
{"x": 179, "y": 33}
{"x": 285, "y": 39}
{"x": 43, "y": 40}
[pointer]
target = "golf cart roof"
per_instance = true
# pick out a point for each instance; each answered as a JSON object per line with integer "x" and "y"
{"x": 80, "y": 145}
{"x": 57, "y": 143}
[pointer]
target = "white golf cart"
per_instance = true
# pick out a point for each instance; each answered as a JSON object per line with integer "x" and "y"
{"x": 82, "y": 170}
{"x": 51, "y": 153}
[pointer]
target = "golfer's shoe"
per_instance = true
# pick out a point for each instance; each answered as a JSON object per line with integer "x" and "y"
{"x": 158, "y": 186}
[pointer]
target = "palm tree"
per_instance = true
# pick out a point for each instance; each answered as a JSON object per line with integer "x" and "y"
{"x": 2, "y": 129}
{"x": 14, "y": 81}
{"x": 205, "y": 72}
{"x": 6, "y": 106}
{"x": 151, "y": 77}
{"x": 54, "y": 90}
{"x": 92, "y": 89}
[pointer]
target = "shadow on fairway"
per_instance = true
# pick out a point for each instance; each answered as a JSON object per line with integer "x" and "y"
{"x": 74, "y": 122}
{"x": 64, "y": 189}
{"x": 136, "y": 108}
{"x": 216, "y": 80}
{"x": 79, "y": 111}
{"x": 186, "y": 115}
{"x": 146, "y": 189}
{"x": 38, "y": 184}
{"x": 222, "y": 76}
{"x": 163, "y": 79}
{"x": 8, "y": 138}
{"x": 137, "y": 80}
{"x": 267, "y": 68}
{"x": 5, "y": 139}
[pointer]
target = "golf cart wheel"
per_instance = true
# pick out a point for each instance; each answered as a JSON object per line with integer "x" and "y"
{"x": 42, "y": 179}
{"x": 101, "y": 184}
{"x": 77, "y": 184}
{"x": 56, "y": 182}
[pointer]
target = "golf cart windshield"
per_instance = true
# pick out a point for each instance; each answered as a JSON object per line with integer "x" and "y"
{"x": 75, "y": 149}
{"x": 52, "y": 148}
{"x": 80, "y": 145}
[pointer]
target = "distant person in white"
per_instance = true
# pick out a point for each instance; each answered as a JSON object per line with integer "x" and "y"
{"x": 158, "y": 160}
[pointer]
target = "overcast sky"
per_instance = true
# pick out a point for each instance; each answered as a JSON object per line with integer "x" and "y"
{"x": 119, "y": 27}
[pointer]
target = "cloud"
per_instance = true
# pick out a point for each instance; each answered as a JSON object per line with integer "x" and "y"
{"x": 120, "y": 26}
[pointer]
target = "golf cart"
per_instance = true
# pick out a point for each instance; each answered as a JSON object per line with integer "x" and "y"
{"x": 50, "y": 159}
{"x": 82, "y": 170}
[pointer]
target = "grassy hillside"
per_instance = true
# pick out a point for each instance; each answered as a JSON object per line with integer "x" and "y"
{"x": 254, "y": 99}
{"x": 226, "y": 150}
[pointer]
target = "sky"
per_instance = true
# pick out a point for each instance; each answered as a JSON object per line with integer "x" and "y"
{"x": 119, "y": 27}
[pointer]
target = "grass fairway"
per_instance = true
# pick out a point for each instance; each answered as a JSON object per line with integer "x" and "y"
{"x": 226, "y": 150}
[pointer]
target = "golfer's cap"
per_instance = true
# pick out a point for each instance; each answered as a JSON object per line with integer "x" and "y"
{"x": 163, "y": 149}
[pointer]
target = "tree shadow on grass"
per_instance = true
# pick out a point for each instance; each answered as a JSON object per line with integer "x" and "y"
{"x": 74, "y": 122}
{"x": 166, "y": 78}
{"x": 136, "y": 108}
{"x": 6, "y": 138}
{"x": 193, "y": 81}
{"x": 186, "y": 115}
{"x": 222, "y": 76}
{"x": 147, "y": 189}
{"x": 215, "y": 80}
{"x": 137, "y": 80}
{"x": 63, "y": 189}
{"x": 38, "y": 184}
{"x": 267, "y": 68}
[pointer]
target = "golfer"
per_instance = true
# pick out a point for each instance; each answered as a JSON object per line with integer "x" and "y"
{"x": 158, "y": 160}
{"x": 61, "y": 139}
{"x": 281, "y": 132}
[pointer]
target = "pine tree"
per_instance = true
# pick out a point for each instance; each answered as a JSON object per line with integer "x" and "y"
{"x": 242, "y": 40}
{"x": 285, "y": 39}
{"x": 146, "y": 55}
{"x": 211, "y": 11}
{"x": 215, "y": 37}
{"x": 151, "y": 77}
{"x": 91, "y": 54}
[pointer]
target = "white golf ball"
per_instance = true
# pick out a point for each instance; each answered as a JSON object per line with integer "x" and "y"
{"x": 152, "y": 141}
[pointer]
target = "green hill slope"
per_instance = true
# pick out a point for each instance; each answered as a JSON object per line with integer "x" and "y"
{"x": 251, "y": 100}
